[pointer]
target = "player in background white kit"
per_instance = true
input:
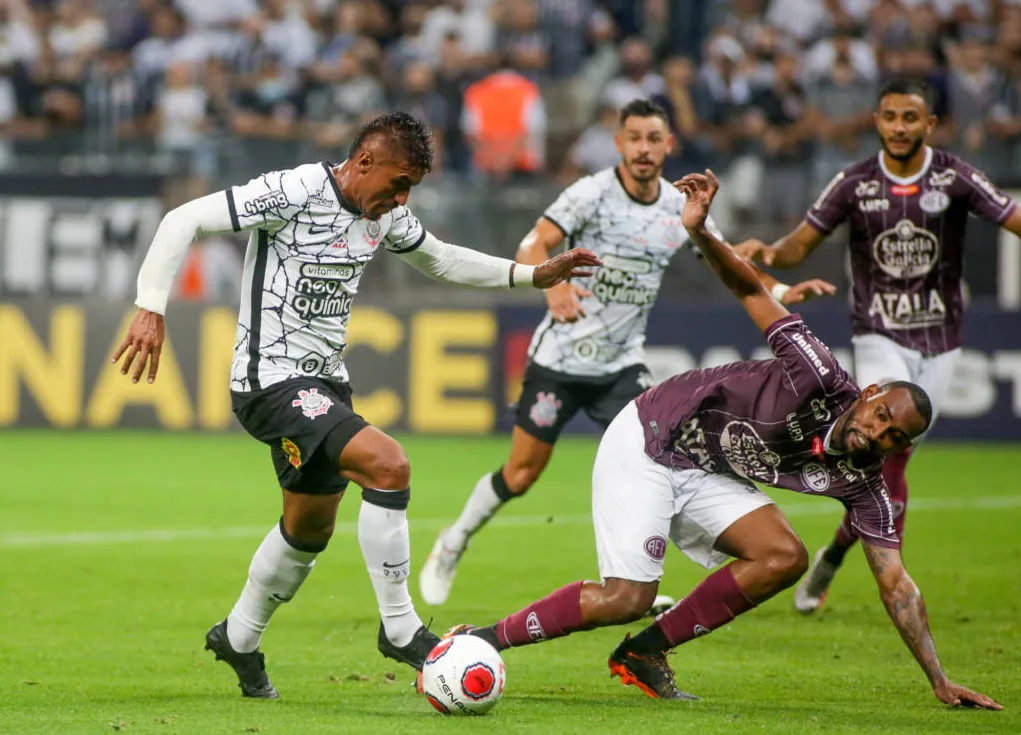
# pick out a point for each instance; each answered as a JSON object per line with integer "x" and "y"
{"x": 313, "y": 231}
{"x": 587, "y": 353}
{"x": 907, "y": 209}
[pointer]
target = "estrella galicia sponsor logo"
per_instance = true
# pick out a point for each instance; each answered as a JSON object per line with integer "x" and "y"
{"x": 934, "y": 201}
{"x": 320, "y": 291}
{"x": 906, "y": 251}
{"x": 820, "y": 411}
{"x": 618, "y": 281}
{"x": 810, "y": 352}
{"x": 908, "y": 310}
{"x": 991, "y": 191}
{"x": 815, "y": 477}
{"x": 746, "y": 453}
{"x": 655, "y": 547}
{"x": 265, "y": 202}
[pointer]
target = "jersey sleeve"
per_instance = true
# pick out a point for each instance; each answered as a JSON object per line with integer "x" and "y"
{"x": 809, "y": 364}
{"x": 271, "y": 200}
{"x": 574, "y": 207}
{"x": 984, "y": 199}
{"x": 405, "y": 234}
{"x": 832, "y": 206}
{"x": 871, "y": 513}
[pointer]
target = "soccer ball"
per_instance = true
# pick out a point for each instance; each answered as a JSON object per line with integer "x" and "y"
{"x": 463, "y": 675}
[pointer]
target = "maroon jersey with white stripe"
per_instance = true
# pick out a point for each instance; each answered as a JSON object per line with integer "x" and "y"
{"x": 767, "y": 421}
{"x": 907, "y": 244}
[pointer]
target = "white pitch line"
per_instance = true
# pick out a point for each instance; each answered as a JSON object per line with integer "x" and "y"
{"x": 86, "y": 538}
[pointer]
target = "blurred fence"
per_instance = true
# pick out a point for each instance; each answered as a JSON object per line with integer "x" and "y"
{"x": 81, "y": 235}
{"x": 437, "y": 371}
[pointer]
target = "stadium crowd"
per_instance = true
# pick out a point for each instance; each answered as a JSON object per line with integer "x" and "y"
{"x": 514, "y": 89}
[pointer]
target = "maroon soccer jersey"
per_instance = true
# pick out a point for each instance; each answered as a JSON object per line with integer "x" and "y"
{"x": 907, "y": 244}
{"x": 767, "y": 421}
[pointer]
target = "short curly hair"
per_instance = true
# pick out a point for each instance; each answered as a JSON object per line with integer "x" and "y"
{"x": 409, "y": 135}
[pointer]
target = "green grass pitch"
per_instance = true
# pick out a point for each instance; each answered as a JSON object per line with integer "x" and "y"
{"x": 119, "y": 550}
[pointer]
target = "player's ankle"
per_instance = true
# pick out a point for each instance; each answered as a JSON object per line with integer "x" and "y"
{"x": 834, "y": 554}
{"x": 652, "y": 640}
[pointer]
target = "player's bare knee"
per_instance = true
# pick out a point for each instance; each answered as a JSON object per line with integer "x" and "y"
{"x": 628, "y": 601}
{"x": 787, "y": 562}
{"x": 390, "y": 468}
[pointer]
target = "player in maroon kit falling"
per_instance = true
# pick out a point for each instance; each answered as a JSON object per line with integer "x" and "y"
{"x": 907, "y": 210}
{"x": 679, "y": 463}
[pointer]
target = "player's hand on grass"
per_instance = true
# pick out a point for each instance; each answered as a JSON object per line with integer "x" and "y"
{"x": 565, "y": 302}
{"x": 957, "y": 696}
{"x": 143, "y": 344}
{"x": 698, "y": 190}
{"x": 755, "y": 250}
{"x": 572, "y": 264}
{"x": 807, "y": 290}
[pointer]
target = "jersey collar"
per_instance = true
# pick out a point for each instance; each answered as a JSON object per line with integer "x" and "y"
{"x": 900, "y": 180}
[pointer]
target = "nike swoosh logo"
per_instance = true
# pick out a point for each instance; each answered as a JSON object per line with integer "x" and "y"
{"x": 313, "y": 230}
{"x": 399, "y": 564}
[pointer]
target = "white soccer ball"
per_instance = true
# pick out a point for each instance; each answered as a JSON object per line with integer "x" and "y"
{"x": 463, "y": 675}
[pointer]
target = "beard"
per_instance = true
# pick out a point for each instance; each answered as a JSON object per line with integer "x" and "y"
{"x": 652, "y": 175}
{"x": 907, "y": 155}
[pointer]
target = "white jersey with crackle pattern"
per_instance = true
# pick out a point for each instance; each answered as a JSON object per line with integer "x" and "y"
{"x": 305, "y": 258}
{"x": 635, "y": 241}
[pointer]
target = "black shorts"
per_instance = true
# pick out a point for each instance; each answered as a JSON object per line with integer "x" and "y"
{"x": 549, "y": 400}
{"x": 295, "y": 417}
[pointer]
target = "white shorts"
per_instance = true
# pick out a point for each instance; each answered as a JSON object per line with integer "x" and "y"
{"x": 879, "y": 359}
{"x": 637, "y": 504}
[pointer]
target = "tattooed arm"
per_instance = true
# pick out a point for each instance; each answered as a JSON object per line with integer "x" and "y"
{"x": 904, "y": 603}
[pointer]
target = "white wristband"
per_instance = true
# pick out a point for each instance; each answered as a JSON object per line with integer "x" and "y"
{"x": 523, "y": 275}
{"x": 778, "y": 291}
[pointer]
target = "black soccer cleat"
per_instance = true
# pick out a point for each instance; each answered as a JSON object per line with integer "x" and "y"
{"x": 650, "y": 672}
{"x": 412, "y": 654}
{"x": 250, "y": 667}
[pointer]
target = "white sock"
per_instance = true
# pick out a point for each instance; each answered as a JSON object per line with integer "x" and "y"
{"x": 481, "y": 506}
{"x": 383, "y": 536}
{"x": 276, "y": 573}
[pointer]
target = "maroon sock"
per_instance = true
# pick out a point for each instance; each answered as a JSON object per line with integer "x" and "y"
{"x": 895, "y": 476}
{"x": 554, "y": 616}
{"x": 715, "y": 602}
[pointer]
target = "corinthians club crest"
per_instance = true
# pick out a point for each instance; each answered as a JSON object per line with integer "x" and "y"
{"x": 312, "y": 403}
{"x": 545, "y": 409}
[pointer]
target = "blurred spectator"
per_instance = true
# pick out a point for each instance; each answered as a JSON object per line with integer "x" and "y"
{"x": 805, "y": 20}
{"x": 779, "y": 122}
{"x": 284, "y": 33}
{"x": 418, "y": 97}
{"x": 504, "y": 123}
{"x": 182, "y": 126}
{"x": 115, "y": 103}
{"x": 518, "y": 36}
{"x": 596, "y": 147}
{"x": 411, "y": 45}
{"x": 844, "y": 45}
{"x": 452, "y": 79}
{"x": 473, "y": 26}
{"x": 337, "y": 109}
{"x": 637, "y": 78}
{"x": 681, "y": 102}
{"x": 271, "y": 107}
{"x": 973, "y": 85}
{"x": 168, "y": 44}
{"x": 75, "y": 35}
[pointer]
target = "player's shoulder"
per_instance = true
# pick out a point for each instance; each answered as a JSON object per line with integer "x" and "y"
{"x": 595, "y": 183}
{"x": 865, "y": 168}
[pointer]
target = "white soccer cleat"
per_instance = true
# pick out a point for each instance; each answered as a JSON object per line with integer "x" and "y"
{"x": 811, "y": 592}
{"x": 437, "y": 576}
{"x": 661, "y": 604}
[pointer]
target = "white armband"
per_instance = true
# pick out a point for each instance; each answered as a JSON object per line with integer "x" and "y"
{"x": 779, "y": 290}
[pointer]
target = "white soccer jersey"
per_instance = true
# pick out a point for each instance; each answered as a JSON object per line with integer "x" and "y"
{"x": 305, "y": 258}
{"x": 635, "y": 241}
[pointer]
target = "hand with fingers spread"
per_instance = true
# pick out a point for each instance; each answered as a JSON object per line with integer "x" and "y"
{"x": 957, "y": 696}
{"x": 565, "y": 302}
{"x": 143, "y": 344}
{"x": 698, "y": 190}
{"x": 572, "y": 264}
{"x": 807, "y": 290}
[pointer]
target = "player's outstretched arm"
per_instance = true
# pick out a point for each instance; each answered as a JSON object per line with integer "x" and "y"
{"x": 454, "y": 264}
{"x": 178, "y": 229}
{"x": 736, "y": 274}
{"x": 787, "y": 252}
{"x": 904, "y": 604}
{"x": 564, "y": 299}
